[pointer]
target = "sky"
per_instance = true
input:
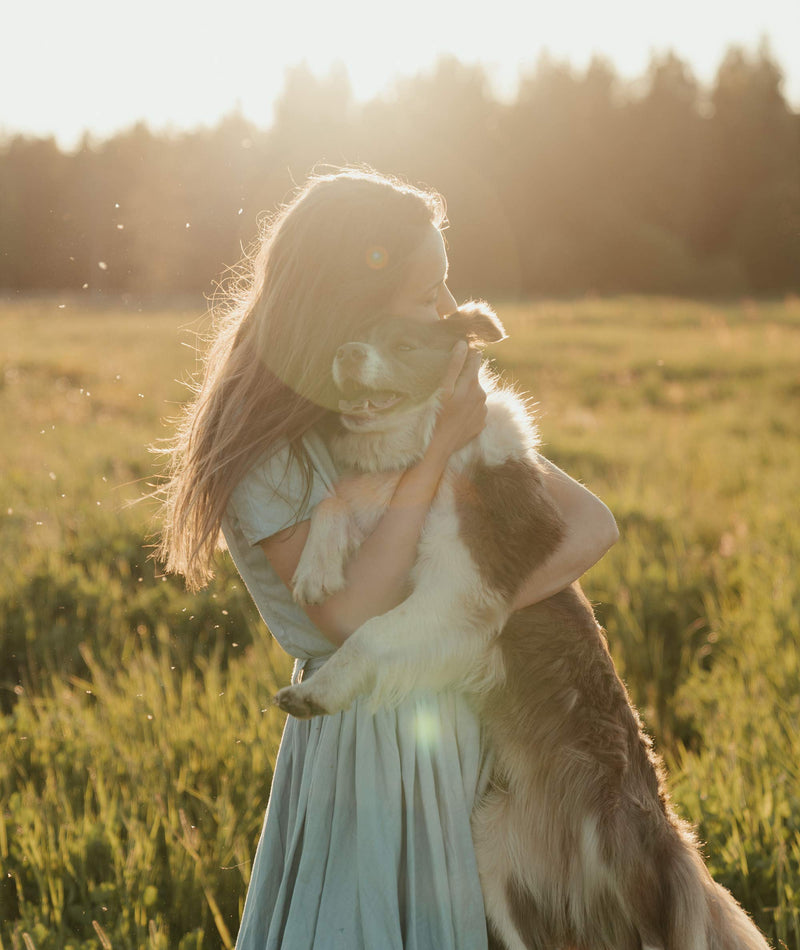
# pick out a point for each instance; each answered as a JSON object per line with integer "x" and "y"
{"x": 100, "y": 66}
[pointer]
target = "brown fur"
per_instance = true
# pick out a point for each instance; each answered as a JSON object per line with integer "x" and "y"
{"x": 569, "y": 746}
{"x": 507, "y": 521}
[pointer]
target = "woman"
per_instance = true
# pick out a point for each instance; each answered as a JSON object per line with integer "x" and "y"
{"x": 366, "y": 842}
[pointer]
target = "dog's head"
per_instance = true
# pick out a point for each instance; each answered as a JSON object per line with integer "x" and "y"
{"x": 398, "y": 363}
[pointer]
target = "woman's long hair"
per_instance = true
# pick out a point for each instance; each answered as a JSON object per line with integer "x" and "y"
{"x": 327, "y": 262}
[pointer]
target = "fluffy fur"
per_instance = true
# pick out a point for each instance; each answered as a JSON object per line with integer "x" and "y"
{"x": 577, "y": 844}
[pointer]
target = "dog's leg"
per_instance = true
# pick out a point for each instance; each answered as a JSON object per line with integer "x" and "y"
{"x": 420, "y": 644}
{"x": 495, "y": 868}
{"x": 339, "y": 524}
{"x": 495, "y": 943}
{"x": 370, "y": 661}
{"x": 332, "y": 537}
{"x": 334, "y": 686}
{"x": 517, "y": 873}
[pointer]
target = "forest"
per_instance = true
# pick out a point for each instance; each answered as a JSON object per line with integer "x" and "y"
{"x": 582, "y": 183}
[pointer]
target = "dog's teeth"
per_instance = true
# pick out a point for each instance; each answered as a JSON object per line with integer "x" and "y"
{"x": 376, "y": 403}
{"x": 353, "y": 405}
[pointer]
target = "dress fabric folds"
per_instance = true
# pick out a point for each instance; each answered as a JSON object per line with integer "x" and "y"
{"x": 366, "y": 843}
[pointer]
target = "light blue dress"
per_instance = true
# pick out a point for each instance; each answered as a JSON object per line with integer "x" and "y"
{"x": 366, "y": 843}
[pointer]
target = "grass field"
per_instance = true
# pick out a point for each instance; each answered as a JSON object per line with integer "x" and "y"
{"x": 137, "y": 740}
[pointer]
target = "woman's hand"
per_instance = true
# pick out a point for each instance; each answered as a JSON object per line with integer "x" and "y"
{"x": 463, "y": 412}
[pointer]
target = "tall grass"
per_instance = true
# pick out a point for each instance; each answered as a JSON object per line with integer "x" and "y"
{"x": 136, "y": 738}
{"x": 134, "y": 795}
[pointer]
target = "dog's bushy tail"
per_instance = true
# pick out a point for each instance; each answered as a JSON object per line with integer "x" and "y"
{"x": 705, "y": 916}
{"x": 729, "y": 926}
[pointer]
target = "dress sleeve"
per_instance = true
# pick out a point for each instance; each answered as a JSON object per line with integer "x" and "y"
{"x": 270, "y": 496}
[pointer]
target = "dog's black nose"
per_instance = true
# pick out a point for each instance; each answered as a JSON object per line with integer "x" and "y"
{"x": 351, "y": 354}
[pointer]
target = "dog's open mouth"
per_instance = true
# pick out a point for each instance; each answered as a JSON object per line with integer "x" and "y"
{"x": 369, "y": 402}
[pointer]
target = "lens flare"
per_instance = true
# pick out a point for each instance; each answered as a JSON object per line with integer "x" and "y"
{"x": 426, "y": 727}
{"x": 377, "y": 257}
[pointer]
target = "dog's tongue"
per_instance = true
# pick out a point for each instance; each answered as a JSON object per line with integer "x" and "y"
{"x": 364, "y": 402}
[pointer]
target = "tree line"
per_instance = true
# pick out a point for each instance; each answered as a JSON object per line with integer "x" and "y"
{"x": 582, "y": 183}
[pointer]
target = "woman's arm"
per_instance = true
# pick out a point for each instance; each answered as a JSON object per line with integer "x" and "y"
{"x": 377, "y": 574}
{"x": 590, "y": 531}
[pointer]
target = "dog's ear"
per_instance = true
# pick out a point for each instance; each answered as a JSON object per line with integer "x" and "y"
{"x": 476, "y": 321}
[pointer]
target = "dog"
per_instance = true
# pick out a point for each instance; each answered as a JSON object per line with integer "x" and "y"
{"x": 578, "y": 846}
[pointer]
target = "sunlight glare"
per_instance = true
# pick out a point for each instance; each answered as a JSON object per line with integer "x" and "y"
{"x": 198, "y": 66}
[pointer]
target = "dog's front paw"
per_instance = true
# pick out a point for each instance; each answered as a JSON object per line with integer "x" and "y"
{"x": 312, "y": 584}
{"x": 298, "y": 702}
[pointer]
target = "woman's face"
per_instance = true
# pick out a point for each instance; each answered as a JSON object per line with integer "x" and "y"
{"x": 424, "y": 294}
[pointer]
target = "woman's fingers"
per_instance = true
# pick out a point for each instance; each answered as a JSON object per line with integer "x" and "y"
{"x": 454, "y": 367}
{"x": 470, "y": 369}
{"x": 468, "y": 385}
{"x": 463, "y": 409}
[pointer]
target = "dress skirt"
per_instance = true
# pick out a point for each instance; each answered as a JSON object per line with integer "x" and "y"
{"x": 366, "y": 843}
